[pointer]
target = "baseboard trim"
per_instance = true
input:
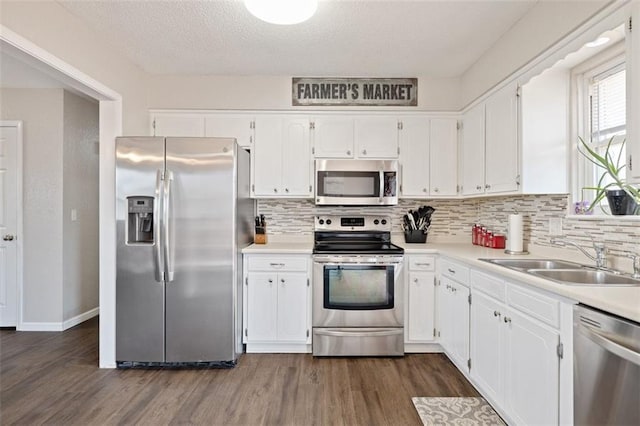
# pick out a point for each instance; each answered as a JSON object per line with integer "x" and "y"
{"x": 72, "y": 322}
{"x": 59, "y": 326}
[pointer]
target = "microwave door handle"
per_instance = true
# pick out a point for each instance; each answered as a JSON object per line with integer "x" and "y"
{"x": 382, "y": 188}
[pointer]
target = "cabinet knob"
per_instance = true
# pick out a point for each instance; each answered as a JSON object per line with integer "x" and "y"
{"x": 8, "y": 237}
{"x": 282, "y": 280}
{"x": 270, "y": 280}
{"x": 348, "y": 152}
{"x": 286, "y": 190}
{"x": 507, "y": 320}
{"x": 415, "y": 280}
{"x": 496, "y": 314}
{"x": 424, "y": 190}
{"x": 436, "y": 190}
{"x": 275, "y": 190}
{"x": 487, "y": 186}
{"x": 479, "y": 187}
{"x": 364, "y": 152}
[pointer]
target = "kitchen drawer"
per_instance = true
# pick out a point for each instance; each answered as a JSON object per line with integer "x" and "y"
{"x": 455, "y": 271}
{"x": 422, "y": 263}
{"x": 492, "y": 286}
{"x": 277, "y": 263}
{"x": 534, "y": 304}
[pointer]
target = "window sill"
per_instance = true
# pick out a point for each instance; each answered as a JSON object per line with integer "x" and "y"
{"x": 626, "y": 218}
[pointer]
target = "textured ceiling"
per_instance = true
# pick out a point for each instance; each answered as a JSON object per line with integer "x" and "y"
{"x": 344, "y": 38}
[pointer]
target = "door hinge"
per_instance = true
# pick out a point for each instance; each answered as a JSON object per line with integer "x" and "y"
{"x": 398, "y": 150}
{"x": 253, "y": 187}
{"x": 246, "y": 332}
{"x": 457, "y": 189}
{"x": 434, "y": 332}
{"x": 312, "y": 125}
{"x": 310, "y": 189}
{"x": 469, "y": 298}
{"x": 518, "y": 180}
{"x": 153, "y": 124}
{"x": 307, "y": 332}
{"x": 252, "y": 125}
{"x": 401, "y": 188}
{"x": 434, "y": 280}
{"x": 438, "y": 334}
{"x": 630, "y": 162}
{"x": 399, "y": 125}
{"x": 630, "y": 24}
{"x": 518, "y": 91}
{"x": 308, "y": 282}
{"x": 246, "y": 281}
{"x": 469, "y": 364}
{"x": 458, "y": 125}
{"x": 560, "y": 350}
{"x": 313, "y": 150}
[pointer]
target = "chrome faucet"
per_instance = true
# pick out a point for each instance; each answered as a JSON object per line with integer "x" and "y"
{"x": 601, "y": 251}
{"x": 636, "y": 264}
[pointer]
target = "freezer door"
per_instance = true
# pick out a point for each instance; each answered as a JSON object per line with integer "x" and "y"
{"x": 139, "y": 288}
{"x": 200, "y": 289}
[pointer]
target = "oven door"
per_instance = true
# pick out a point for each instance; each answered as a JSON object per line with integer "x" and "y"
{"x": 350, "y": 292}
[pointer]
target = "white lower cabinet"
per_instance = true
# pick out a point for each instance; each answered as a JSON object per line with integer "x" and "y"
{"x": 420, "y": 303}
{"x": 277, "y": 302}
{"x": 514, "y": 357}
{"x": 453, "y": 320}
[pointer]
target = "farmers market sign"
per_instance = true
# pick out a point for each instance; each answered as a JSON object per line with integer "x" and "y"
{"x": 354, "y": 91}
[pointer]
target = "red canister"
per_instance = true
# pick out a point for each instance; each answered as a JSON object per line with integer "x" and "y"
{"x": 482, "y": 236}
{"x": 488, "y": 240}
{"x": 499, "y": 241}
{"x": 474, "y": 234}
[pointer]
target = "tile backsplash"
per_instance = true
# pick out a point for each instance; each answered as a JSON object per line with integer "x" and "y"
{"x": 453, "y": 219}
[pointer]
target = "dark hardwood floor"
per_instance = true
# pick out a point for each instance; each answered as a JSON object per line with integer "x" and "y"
{"x": 53, "y": 378}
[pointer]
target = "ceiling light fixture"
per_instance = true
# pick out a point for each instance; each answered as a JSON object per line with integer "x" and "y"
{"x": 282, "y": 12}
{"x": 598, "y": 42}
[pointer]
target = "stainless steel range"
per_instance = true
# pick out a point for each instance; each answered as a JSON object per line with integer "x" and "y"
{"x": 358, "y": 290}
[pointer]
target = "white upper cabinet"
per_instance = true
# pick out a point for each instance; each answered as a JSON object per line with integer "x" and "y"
{"x": 501, "y": 141}
{"x": 472, "y": 158}
{"x": 443, "y": 158}
{"x": 281, "y": 157}
{"x": 177, "y": 124}
{"x": 414, "y": 157}
{"x": 238, "y": 126}
{"x": 355, "y": 137}
{"x": 376, "y": 137}
{"x": 333, "y": 137}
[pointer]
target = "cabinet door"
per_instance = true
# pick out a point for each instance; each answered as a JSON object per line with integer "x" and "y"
{"x": 501, "y": 141}
{"x": 376, "y": 137}
{"x": 487, "y": 344}
{"x": 333, "y": 137}
{"x": 262, "y": 303}
{"x": 532, "y": 371}
{"x": 472, "y": 161}
{"x": 421, "y": 307}
{"x": 292, "y": 307}
{"x": 235, "y": 126}
{"x": 186, "y": 125}
{"x": 445, "y": 314}
{"x": 296, "y": 158}
{"x": 443, "y": 160}
{"x": 266, "y": 157}
{"x": 414, "y": 158}
{"x": 460, "y": 324}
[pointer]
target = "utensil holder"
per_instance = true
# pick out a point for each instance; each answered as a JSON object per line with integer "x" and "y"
{"x": 415, "y": 236}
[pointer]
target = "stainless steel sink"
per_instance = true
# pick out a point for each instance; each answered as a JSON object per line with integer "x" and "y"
{"x": 584, "y": 277}
{"x": 526, "y": 264}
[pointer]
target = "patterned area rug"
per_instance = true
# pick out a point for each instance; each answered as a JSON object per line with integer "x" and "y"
{"x": 456, "y": 411}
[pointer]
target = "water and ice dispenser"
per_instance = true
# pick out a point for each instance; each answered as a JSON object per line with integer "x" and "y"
{"x": 140, "y": 220}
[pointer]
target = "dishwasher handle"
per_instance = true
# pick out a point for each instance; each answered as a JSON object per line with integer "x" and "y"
{"x": 611, "y": 346}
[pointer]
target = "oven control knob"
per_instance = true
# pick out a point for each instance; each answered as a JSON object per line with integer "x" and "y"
{"x": 321, "y": 221}
{"x": 375, "y": 222}
{"x": 384, "y": 221}
{"x": 328, "y": 221}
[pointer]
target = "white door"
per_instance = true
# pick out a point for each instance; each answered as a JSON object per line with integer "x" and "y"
{"x": 333, "y": 137}
{"x": 262, "y": 304}
{"x": 445, "y": 314}
{"x": 501, "y": 142}
{"x": 414, "y": 158}
{"x": 266, "y": 157}
{"x": 296, "y": 158}
{"x": 487, "y": 344}
{"x": 472, "y": 158}
{"x": 292, "y": 307}
{"x": 376, "y": 137}
{"x": 8, "y": 226}
{"x": 421, "y": 306}
{"x": 443, "y": 160}
{"x": 236, "y": 126}
{"x": 460, "y": 324}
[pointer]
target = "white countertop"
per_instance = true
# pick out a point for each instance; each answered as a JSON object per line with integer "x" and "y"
{"x": 622, "y": 301}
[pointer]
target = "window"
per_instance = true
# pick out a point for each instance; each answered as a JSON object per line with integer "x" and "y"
{"x": 604, "y": 112}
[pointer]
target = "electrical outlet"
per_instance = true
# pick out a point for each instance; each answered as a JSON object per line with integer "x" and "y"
{"x": 555, "y": 226}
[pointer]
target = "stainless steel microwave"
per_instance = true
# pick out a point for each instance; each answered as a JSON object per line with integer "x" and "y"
{"x": 356, "y": 182}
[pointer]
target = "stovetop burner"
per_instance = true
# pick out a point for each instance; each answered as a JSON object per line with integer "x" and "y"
{"x": 354, "y": 235}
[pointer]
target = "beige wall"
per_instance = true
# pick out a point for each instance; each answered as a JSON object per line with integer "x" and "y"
{"x": 80, "y": 192}
{"x": 51, "y": 27}
{"x": 545, "y": 24}
{"x": 41, "y": 111}
{"x": 270, "y": 92}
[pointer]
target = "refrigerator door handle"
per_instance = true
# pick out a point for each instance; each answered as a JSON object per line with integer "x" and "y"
{"x": 168, "y": 178}
{"x": 157, "y": 251}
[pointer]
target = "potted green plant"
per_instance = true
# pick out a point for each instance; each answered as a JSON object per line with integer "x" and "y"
{"x": 623, "y": 198}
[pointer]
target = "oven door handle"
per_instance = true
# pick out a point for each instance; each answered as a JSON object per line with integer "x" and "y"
{"x": 332, "y": 263}
{"x": 359, "y": 332}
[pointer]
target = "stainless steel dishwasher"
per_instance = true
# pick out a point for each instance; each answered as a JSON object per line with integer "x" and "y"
{"x": 606, "y": 368}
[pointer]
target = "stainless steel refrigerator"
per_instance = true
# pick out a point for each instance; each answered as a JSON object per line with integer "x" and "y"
{"x": 183, "y": 214}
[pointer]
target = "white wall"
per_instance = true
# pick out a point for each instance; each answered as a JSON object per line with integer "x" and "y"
{"x": 41, "y": 111}
{"x": 271, "y": 92}
{"x": 52, "y": 28}
{"x": 80, "y": 192}
{"x": 545, "y": 24}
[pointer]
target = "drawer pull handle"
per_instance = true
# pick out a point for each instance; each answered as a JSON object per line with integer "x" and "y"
{"x": 276, "y": 265}
{"x": 451, "y": 271}
{"x": 415, "y": 280}
{"x": 507, "y": 320}
{"x": 496, "y": 314}
{"x": 270, "y": 280}
{"x": 422, "y": 264}
{"x": 282, "y": 280}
